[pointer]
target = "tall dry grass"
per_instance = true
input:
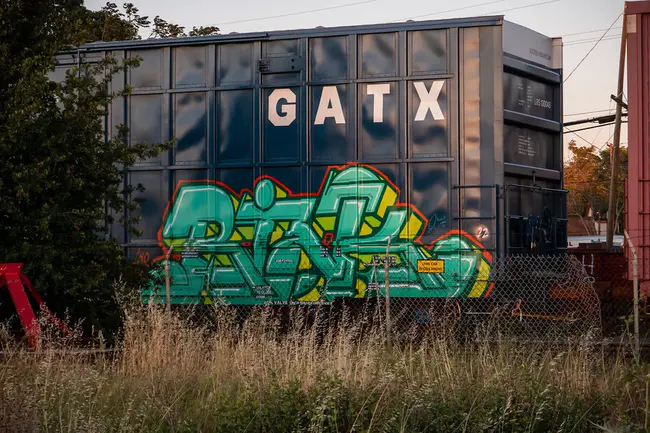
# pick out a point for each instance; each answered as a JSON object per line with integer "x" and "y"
{"x": 172, "y": 374}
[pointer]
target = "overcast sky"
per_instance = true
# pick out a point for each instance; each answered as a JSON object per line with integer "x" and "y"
{"x": 587, "y": 90}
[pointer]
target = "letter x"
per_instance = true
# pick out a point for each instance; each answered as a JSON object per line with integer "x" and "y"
{"x": 429, "y": 100}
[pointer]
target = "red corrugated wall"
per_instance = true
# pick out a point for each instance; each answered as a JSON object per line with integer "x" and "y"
{"x": 637, "y": 217}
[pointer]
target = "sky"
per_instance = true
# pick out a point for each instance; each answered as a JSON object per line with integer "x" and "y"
{"x": 580, "y": 23}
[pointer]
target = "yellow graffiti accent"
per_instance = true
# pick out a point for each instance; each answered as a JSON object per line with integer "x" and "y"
{"x": 327, "y": 223}
{"x": 284, "y": 225}
{"x": 412, "y": 228}
{"x": 356, "y": 256}
{"x": 481, "y": 280}
{"x": 318, "y": 229}
{"x": 365, "y": 230}
{"x": 236, "y": 236}
{"x": 235, "y": 202}
{"x": 212, "y": 230}
{"x": 374, "y": 222}
{"x": 389, "y": 199}
{"x": 305, "y": 263}
{"x": 364, "y": 260}
{"x": 247, "y": 232}
{"x": 277, "y": 234}
{"x": 224, "y": 259}
{"x": 175, "y": 242}
{"x": 206, "y": 298}
{"x": 312, "y": 296}
{"x": 361, "y": 289}
{"x": 280, "y": 193}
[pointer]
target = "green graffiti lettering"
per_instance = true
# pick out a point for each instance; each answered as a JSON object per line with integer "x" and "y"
{"x": 270, "y": 245}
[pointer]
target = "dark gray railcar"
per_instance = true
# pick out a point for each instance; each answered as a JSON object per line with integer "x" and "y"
{"x": 301, "y": 153}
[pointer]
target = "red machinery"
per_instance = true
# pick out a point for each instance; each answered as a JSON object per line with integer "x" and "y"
{"x": 15, "y": 281}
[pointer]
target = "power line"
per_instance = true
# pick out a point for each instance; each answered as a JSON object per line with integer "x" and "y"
{"x": 590, "y": 31}
{"x": 582, "y": 43}
{"x": 605, "y": 143}
{"x": 587, "y": 41}
{"x": 592, "y": 48}
{"x": 593, "y": 127}
{"x": 578, "y": 135}
{"x": 589, "y": 112}
{"x": 484, "y": 4}
{"x": 523, "y": 7}
{"x": 451, "y": 10}
{"x": 298, "y": 13}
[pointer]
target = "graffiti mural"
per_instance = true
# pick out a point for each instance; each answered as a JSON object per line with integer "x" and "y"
{"x": 270, "y": 245}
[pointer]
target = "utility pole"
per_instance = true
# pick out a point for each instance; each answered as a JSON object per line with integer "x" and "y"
{"x": 611, "y": 210}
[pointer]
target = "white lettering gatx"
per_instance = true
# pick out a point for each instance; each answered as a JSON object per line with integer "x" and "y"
{"x": 288, "y": 110}
{"x": 378, "y": 91}
{"x": 329, "y": 106}
{"x": 429, "y": 101}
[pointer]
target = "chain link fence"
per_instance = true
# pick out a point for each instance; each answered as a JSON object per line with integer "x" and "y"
{"x": 471, "y": 295}
{"x": 613, "y": 284}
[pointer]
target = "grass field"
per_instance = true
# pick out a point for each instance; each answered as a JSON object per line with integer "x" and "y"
{"x": 173, "y": 375}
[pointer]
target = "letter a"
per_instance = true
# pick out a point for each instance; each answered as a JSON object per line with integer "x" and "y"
{"x": 329, "y": 106}
{"x": 429, "y": 101}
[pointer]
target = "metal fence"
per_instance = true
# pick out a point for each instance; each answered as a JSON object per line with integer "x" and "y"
{"x": 545, "y": 298}
{"x": 613, "y": 283}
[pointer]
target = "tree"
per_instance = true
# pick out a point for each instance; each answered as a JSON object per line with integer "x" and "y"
{"x": 204, "y": 31}
{"x": 164, "y": 29}
{"x": 587, "y": 176}
{"x": 59, "y": 175}
{"x": 108, "y": 24}
{"x": 605, "y": 174}
{"x": 112, "y": 23}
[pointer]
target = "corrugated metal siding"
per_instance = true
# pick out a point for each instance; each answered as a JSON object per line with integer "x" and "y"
{"x": 267, "y": 127}
{"x": 638, "y": 186}
{"x": 213, "y": 99}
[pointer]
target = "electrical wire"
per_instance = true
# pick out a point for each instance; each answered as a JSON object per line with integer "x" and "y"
{"x": 451, "y": 10}
{"x": 578, "y": 135}
{"x": 592, "y": 48}
{"x": 589, "y": 112}
{"x": 522, "y": 7}
{"x": 600, "y": 130}
{"x": 589, "y": 31}
{"x": 588, "y": 41}
{"x": 592, "y": 127}
{"x": 605, "y": 143}
{"x": 345, "y": 5}
{"x": 484, "y": 4}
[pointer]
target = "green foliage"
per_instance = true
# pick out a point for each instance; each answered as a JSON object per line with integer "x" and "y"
{"x": 164, "y": 29}
{"x": 60, "y": 179}
{"x": 110, "y": 23}
{"x": 204, "y": 31}
{"x": 587, "y": 177}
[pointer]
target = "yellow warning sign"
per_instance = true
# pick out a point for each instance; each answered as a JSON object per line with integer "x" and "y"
{"x": 431, "y": 266}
